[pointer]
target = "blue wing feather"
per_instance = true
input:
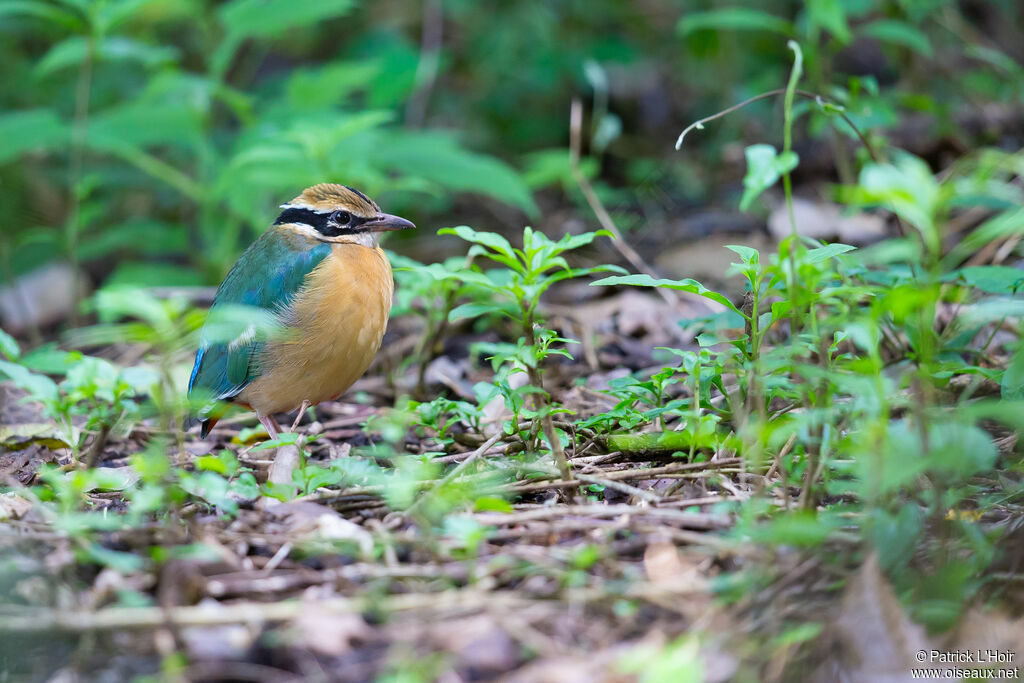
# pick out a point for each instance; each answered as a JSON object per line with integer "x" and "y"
{"x": 266, "y": 276}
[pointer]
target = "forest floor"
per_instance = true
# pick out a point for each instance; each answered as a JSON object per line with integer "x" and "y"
{"x": 639, "y": 568}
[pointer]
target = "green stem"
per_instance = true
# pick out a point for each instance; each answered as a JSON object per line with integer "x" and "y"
{"x": 80, "y": 127}
{"x": 541, "y": 403}
{"x": 161, "y": 170}
{"x": 787, "y": 182}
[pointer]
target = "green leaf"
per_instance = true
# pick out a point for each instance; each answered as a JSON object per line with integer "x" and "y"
{"x": 142, "y": 124}
{"x": 40, "y": 10}
{"x": 960, "y": 450}
{"x": 795, "y": 528}
{"x": 137, "y": 236}
{"x": 748, "y": 255}
{"x": 993, "y": 279}
{"x": 819, "y": 254}
{"x": 1002, "y": 225}
{"x": 687, "y": 285}
{"x": 110, "y": 479}
{"x": 134, "y": 274}
{"x": 492, "y": 240}
{"x": 72, "y": 51}
{"x": 570, "y": 242}
{"x": 439, "y": 159}
{"x": 764, "y": 167}
{"x": 327, "y": 85}
{"x": 898, "y": 33}
{"x": 550, "y": 166}
{"x": 492, "y": 504}
{"x": 39, "y": 387}
{"x": 273, "y": 18}
{"x": 993, "y": 309}
{"x": 34, "y": 129}
{"x": 471, "y": 311}
{"x": 50, "y": 360}
{"x": 734, "y": 19}
{"x": 113, "y": 14}
{"x": 831, "y": 16}
{"x": 8, "y": 346}
{"x": 895, "y": 535}
{"x": 1012, "y": 384}
{"x": 122, "y": 562}
{"x": 223, "y": 463}
{"x": 908, "y": 189}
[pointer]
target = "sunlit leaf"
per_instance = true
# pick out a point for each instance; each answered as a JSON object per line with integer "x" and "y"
{"x": 122, "y": 562}
{"x": 491, "y": 240}
{"x": 145, "y": 123}
{"x": 831, "y": 16}
{"x": 898, "y": 33}
{"x": 1012, "y": 384}
{"x": 326, "y": 86}
{"x": 734, "y": 19}
{"x": 39, "y": 387}
{"x": 73, "y": 50}
{"x": 687, "y": 285}
{"x": 819, "y": 254}
{"x": 993, "y": 279}
{"x": 908, "y": 188}
{"x": 273, "y": 18}
{"x": 764, "y": 168}
{"x": 8, "y": 346}
{"x": 138, "y": 274}
{"x": 41, "y": 10}
{"x": 438, "y": 158}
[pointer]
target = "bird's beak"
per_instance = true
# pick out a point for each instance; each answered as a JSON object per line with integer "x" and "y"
{"x": 385, "y": 222}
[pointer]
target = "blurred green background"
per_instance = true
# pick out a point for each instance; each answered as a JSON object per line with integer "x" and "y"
{"x": 148, "y": 141}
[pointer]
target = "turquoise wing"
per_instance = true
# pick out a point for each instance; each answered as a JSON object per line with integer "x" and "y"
{"x": 266, "y": 276}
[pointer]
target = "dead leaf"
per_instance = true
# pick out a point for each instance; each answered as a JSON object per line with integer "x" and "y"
{"x": 15, "y": 437}
{"x": 308, "y": 520}
{"x": 479, "y": 643}
{"x": 229, "y": 641}
{"x": 42, "y": 296}
{"x": 825, "y": 221}
{"x": 877, "y": 641}
{"x": 667, "y": 568}
{"x": 330, "y": 633}
{"x": 13, "y": 506}
{"x": 991, "y": 630}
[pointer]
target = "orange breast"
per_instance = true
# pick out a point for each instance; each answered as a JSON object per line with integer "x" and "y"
{"x": 338, "y": 319}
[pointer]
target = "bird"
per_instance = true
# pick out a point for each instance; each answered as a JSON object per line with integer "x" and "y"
{"x": 320, "y": 273}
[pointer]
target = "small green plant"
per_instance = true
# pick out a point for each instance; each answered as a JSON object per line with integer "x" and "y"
{"x": 442, "y": 414}
{"x": 431, "y": 291}
{"x": 841, "y": 368}
{"x": 94, "y": 397}
{"x": 518, "y": 286}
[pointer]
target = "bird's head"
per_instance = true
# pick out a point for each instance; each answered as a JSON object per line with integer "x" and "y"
{"x": 340, "y": 214}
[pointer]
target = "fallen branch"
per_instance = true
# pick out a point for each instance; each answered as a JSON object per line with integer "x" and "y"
{"x": 691, "y": 520}
{"x": 640, "y": 473}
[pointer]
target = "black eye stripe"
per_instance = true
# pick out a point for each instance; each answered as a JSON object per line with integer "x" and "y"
{"x": 313, "y": 219}
{"x": 320, "y": 221}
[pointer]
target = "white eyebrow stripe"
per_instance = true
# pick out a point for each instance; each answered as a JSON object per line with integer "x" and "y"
{"x": 308, "y": 207}
{"x": 303, "y": 229}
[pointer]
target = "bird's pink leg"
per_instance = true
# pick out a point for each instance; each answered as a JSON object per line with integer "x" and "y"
{"x": 268, "y": 421}
{"x": 286, "y": 458}
{"x": 298, "y": 418}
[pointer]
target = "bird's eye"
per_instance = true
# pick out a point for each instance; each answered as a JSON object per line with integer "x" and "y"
{"x": 341, "y": 217}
